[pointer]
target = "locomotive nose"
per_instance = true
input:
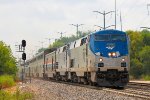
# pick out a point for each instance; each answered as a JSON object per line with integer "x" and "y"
{"x": 112, "y": 75}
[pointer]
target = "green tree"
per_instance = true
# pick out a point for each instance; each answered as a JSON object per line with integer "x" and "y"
{"x": 136, "y": 43}
{"x": 41, "y": 49}
{"x": 146, "y": 37}
{"x": 65, "y": 40}
{"x": 140, "y": 53}
{"x": 57, "y": 44}
{"x": 145, "y": 58}
{"x": 136, "y": 68}
{"x": 7, "y": 60}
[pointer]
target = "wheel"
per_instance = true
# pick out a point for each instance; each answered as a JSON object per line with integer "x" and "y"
{"x": 119, "y": 87}
{"x": 91, "y": 83}
{"x": 74, "y": 78}
{"x": 86, "y": 82}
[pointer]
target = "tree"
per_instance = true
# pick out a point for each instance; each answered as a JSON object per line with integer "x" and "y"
{"x": 57, "y": 44}
{"x": 136, "y": 68}
{"x": 136, "y": 43}
{"x": 7, "y": 60}
{"x": 140, "y": 53}
{"x": 145, "y": 58}
{"x": 146, "y": 37}
{"x": 41, "y": 49}
{"x": 65, "y": 40}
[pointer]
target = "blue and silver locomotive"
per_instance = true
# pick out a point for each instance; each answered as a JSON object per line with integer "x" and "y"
{"x": 110, "y": 49}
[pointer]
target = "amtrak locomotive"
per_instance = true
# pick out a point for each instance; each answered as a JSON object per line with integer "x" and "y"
{"x": 100, "y": 58}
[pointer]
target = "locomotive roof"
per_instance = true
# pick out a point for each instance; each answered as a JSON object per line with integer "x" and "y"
{"x": 110, "y": 31}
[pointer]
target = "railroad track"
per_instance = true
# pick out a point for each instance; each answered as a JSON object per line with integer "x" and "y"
{"x": 140, "y": 90}
{"x": 130, "y": 90}
{"x": 139, "y": 84}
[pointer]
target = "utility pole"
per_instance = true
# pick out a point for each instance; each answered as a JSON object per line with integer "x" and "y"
{"x": 148, "y": 14}
{"x": 121, "y": 20}
{"x": 104, "y": 14}
{"x": 115, "y": 16}
{"x": 77, "y": 26}
{"x": 61, "y": 33}
{"x": 147, "y": 8}
{"x": 49, "y": 40}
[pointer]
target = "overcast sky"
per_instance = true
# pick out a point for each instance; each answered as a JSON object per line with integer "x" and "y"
{"x": 35, "y": 20}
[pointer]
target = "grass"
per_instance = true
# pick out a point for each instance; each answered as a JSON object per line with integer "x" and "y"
{"x": 131, "y": 77}
{"x": 6, "y": 81}
{"x": 143, "y": 77}
{"x": 15, "y": 96}
{"x": 146, "y": 77}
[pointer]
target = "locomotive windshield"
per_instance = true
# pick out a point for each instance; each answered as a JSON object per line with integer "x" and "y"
{"x": 110, "y": 37}
{"x": 101, "y": 37}
{"x": 115, "y": 37}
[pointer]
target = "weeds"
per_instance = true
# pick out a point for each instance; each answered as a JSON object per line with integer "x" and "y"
{"x": 16, "y": 96}
{"x": 146, "y": 77}
{"x": 6, "y": 81}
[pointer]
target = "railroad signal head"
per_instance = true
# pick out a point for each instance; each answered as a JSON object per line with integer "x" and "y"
{"x": 23, "y": 43}
{"x": 24, "y": 56}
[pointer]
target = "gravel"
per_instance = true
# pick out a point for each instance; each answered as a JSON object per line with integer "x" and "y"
{"x": 47, "y": 90}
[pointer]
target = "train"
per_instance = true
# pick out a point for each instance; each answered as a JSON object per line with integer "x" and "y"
{"x": 100, "y": 58}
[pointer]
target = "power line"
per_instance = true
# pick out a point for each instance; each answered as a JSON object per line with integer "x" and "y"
{"x": 77, "y": 26}
{"x": 104, "y": 15}
{"x": 103, "y": 27}
{"x": 145, "y": 27}
{"x": 99, "y": 27}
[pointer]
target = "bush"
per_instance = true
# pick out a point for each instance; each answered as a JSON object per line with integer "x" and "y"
{"x": 16, "y": 96}
{"x": 146, "y": 77}
{"x": 6, "y": 81}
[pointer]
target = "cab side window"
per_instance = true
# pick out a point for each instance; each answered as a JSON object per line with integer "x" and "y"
{"x": 83, "y": 41}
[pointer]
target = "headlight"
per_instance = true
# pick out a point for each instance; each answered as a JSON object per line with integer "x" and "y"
{"x": 100, "y": 59}
{"x": 109, "y": 54}
{"x": 113, "y": 54}
{"x": 123, "y": 59}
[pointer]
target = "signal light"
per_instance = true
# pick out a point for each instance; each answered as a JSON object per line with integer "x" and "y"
{"x": 24, "y": 56}
{"x": 23, "y": 43}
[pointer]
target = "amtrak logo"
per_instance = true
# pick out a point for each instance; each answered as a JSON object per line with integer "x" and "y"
{"x": 98, "y": 53}
{"x": 110, "y": 46}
